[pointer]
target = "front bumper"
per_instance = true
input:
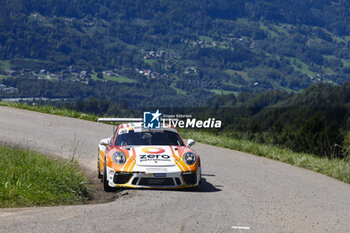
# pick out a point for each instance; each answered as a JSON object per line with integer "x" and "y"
{"x": 168, "y": 180}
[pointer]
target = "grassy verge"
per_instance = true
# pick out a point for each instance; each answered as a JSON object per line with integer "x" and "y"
{"x": 28, "y": 178}
{"x": 336, "y": 168}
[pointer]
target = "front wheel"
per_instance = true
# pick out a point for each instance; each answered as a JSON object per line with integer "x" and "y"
{"x": 106, "y": 186}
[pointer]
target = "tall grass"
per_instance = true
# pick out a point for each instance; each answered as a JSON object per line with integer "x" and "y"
{"x": 28, "y": 178}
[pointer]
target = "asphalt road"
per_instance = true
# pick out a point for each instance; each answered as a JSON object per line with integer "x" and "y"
{"x": 240, "y": 192}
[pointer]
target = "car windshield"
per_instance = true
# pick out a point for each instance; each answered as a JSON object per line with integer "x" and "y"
{"x": 159, "y": 138}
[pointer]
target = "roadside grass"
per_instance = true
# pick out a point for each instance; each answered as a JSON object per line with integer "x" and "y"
{"x": 28, "y": 178}
{"x": 336, "y": 168}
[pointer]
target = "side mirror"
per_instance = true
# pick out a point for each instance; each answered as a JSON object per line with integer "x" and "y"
{"x": 105, "y": 142}
{"x": 190, "y": 142}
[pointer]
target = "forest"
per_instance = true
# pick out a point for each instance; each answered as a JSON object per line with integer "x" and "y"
{"x": 314, "y": 121}
{"x": 222, "y": 46}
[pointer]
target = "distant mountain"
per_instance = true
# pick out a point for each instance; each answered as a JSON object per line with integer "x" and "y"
{"x": 221, "y": 46}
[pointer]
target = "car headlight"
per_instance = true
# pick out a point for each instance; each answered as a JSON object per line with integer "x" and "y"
{"x": 190, "y": 158}
{"x": 119, "y": 158}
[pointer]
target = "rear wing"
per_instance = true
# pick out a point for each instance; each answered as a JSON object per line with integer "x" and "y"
{"x": 137, "y": 120}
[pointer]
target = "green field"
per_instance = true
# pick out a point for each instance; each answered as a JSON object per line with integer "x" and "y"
{"x": 149, "y": 61}
{"x": 300, "y": 66}
{"x": 119, "y": 79}
{"x": 206, "y": 38}
{"x": 28, "y": 178}
{"x": 241, "y": 73}
{"x": 346, "y": 63}
{"x": 268, "y": 30}
{"x": 224, "y": 92}
{"x": 178, "y": 90}
{"x": 5, "y": 64}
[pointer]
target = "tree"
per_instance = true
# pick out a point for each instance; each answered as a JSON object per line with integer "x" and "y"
{"x": 99, "y": 75}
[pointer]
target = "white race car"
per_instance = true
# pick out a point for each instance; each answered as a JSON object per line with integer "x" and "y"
{"x": 147, "y": 158}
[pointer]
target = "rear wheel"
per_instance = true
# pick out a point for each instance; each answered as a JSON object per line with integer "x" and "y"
{"x": 106, "y": 186}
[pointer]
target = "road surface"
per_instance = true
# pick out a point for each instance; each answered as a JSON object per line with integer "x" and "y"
{"x": 240, "y": 192}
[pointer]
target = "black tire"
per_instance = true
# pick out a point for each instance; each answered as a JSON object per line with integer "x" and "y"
{"x": 99, "y": 174}
{"x": 106, "y": 186}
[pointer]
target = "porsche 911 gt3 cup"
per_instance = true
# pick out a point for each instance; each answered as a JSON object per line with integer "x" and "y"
{"x": 136, "y": 157}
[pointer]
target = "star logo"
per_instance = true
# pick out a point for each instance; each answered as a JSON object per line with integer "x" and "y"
{"x": 156, "y": 115}
{"x": 152, "y": 120}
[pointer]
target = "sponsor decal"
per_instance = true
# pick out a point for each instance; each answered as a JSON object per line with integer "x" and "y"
{"x": 153, "y": 150}
{"x": 154, "y": 154}
{"x": 123, "y": 131}
{"x": 154, "y": 157}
